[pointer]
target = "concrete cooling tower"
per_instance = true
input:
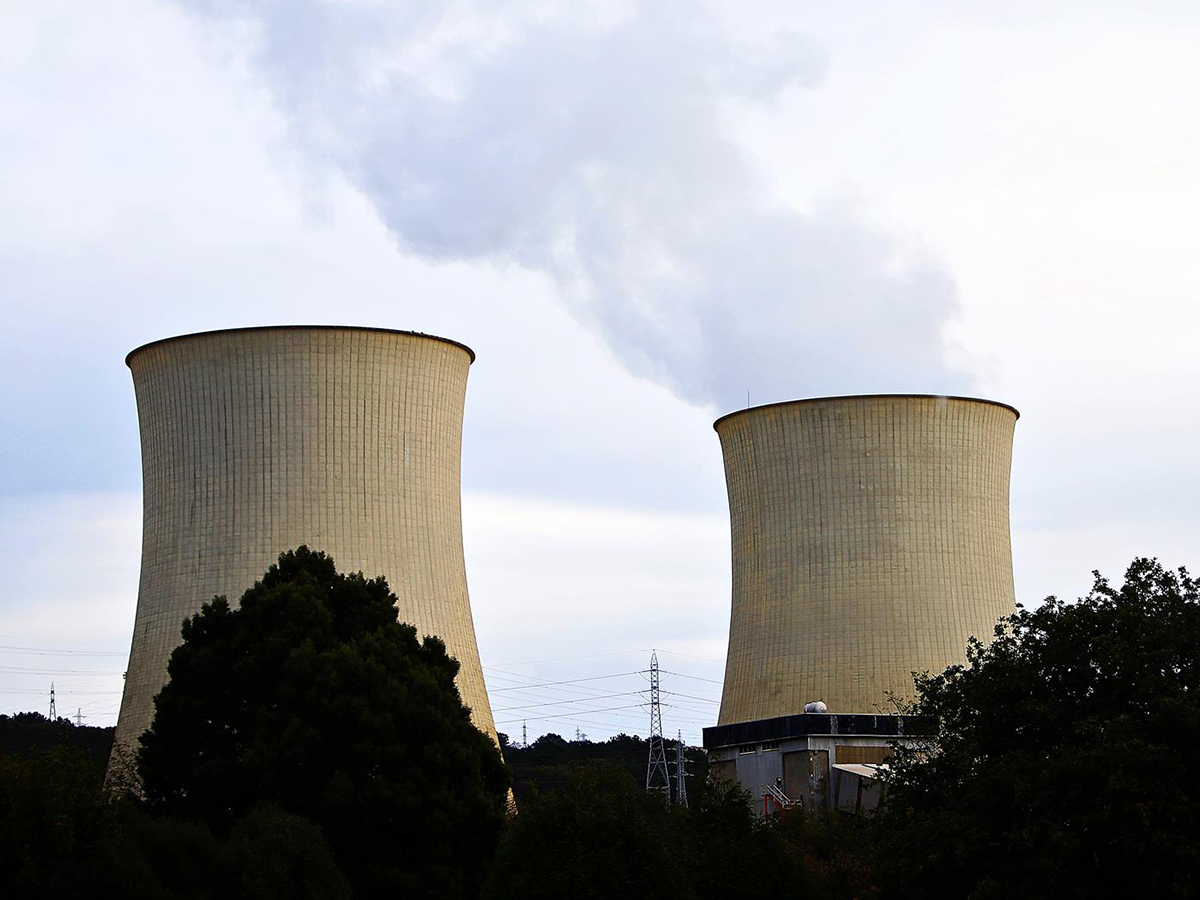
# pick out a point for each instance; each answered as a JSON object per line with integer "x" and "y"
{"x": 257, "y": 440}
{"x": 870, "y": 539}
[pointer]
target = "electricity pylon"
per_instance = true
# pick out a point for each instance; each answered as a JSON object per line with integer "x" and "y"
{"x": 680, "y": 773}
{"x": 657, "y": 776}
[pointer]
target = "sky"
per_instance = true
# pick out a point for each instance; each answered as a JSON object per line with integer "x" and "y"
{"x": 639, "y": 216}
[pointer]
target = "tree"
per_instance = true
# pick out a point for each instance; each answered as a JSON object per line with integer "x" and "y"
{"x": 53, "y": 816}
{"x": 601, "y": 838}
{"x": 1065, "y": 755}
{"x": 550, "y": 761}
{"x": 311, "y": 696}
{"x": 25, "y": 731}
{"x": 604, "y": 837}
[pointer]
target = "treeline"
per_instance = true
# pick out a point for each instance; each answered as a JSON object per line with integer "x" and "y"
{"x": 26, "y": 731}
{"x": 602, "y": 836}
{"x": 551, "y": 762}
{"x": 64, "y": 835}
{"x": 598, "y": 834}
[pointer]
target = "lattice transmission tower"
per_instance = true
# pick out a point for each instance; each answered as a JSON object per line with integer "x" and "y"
{"x": 680, "y": 773}
{"x": 53, "y": 708}
{"x": 657, "y": 776}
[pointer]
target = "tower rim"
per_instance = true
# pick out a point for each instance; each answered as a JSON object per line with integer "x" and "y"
{"x": 251, "y": 328}
{"x": 807, "y": 400}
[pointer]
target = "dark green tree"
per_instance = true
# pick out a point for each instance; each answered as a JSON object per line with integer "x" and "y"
{"x": 1065, "y": 755}
{"x": 731, "y": 853}
{"x": 551, "y": 760}
{"x": 605, "y": 837}
{"x": 312, "y": 697}
{"x": 53, "y": 816}
{"x": 601, "y": 838}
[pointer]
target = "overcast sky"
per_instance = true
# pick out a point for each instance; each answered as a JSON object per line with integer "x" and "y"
{"x": 635, "y": 214}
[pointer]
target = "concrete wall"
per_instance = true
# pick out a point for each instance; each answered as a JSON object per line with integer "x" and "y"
{"x": 255, "y": 441}
{"x": 870, "y": 538}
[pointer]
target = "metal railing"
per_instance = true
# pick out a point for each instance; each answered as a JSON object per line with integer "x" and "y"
{"x": 775, "y": 793}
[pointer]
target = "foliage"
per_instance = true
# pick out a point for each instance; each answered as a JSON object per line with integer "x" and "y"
{"x": 312, "y": 697}
{"x": 550, "y": 761}
{"x": 53, "y": 814}
{"x": 269, "y": 854}
{"x": 833, "y": 848}
{"x": 733, "y": 854}
{"x": 280, "y": 854}
{"x": 605, "y": 837}
{"x": 62, "y": 836}
{"x": 32, "y": 731}
{"x": 1066, "y": 753}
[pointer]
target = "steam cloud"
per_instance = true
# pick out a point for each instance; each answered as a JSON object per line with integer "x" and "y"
{"x": 590, "y": 144}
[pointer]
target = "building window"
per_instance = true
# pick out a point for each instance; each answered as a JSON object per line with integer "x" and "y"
{"x": 770, "y": 745}
{"x": 748, "y": 748}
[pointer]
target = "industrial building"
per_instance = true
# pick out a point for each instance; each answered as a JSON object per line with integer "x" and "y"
{"x": 257, "y": 440}
{"x": 870, "y": 539}
{"x": 814, "y": 760}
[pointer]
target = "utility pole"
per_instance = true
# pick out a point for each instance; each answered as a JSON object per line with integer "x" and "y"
{"x": 53, "y": 708}
{"x": 657, "y": 776}
{"x": 680, "y": 772}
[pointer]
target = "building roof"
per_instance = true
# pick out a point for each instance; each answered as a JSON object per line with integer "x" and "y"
{"x": 862, "y": 770}
{"x": 805, "y": 724}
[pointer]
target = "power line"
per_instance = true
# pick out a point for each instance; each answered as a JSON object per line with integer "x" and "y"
{"x": 624, "y": 725}
{"x": 694, "y": 677}
{"x": 532, "y": 678}
{"x": 571, "y": 695}
{"x": 22, "y": 670}
{"x": 689, "y": 696}
{"x": 4, "y": 690}
{"x": 569, "y": 681}
{"x": 569, "y": 718}
{"x": 535, "y": 692}
{"x": 692, "y": 656}
{"x": 50, "y": 651}
{"x": 535, "y": 662}
{"x": 46, "y": 640}
{"x": 567, "y": 701}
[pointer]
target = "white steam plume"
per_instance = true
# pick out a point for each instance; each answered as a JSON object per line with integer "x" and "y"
{"x": 589, "y": 142}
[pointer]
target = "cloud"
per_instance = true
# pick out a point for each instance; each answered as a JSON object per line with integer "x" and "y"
{"x": 134, "y": 208}
{"x": 593, "y": 143}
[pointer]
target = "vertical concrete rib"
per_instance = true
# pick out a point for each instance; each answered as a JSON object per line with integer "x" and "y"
{"x": 870, "y": 538}
{"x": 257, "y": 440}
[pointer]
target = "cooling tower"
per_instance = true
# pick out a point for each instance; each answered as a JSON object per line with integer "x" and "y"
{"x": 257, "y": 440}
{"x": 870, "y": 539}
